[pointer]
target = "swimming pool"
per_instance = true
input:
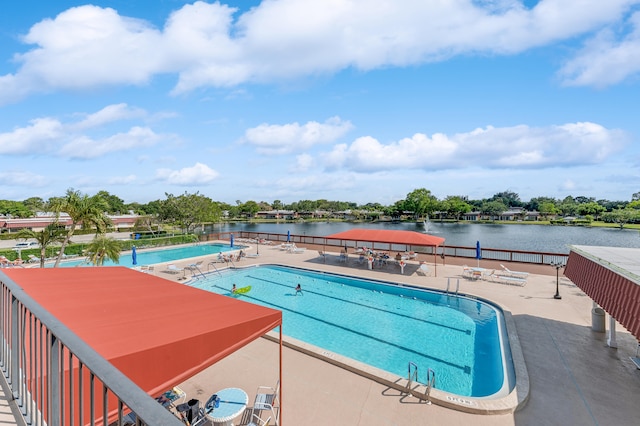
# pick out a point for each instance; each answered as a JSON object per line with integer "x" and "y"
{"x": 385, "y": 325}
{"x": 150, "y": 257}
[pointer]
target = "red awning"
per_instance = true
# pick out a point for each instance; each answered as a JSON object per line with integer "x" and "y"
{"x": 607, "y": 284}
{"x": 157, "y": 332}
{"x": 388, "y": 236}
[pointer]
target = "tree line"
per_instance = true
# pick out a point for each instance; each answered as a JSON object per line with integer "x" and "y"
{"x": 188, "y": 210}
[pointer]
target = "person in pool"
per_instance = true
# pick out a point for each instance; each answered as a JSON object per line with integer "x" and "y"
{"x": 234, "y": 289}
{"x": 299, "y": 290}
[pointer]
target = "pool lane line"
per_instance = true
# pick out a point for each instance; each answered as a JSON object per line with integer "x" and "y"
{"x": 465, "y": 368}
{"x": 465, "y": 331}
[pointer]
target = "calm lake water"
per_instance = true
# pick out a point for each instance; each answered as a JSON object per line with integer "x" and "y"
{"x": 541, "y": 238}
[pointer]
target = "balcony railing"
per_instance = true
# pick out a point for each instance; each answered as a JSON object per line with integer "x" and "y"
{"x": 56, "y": 379}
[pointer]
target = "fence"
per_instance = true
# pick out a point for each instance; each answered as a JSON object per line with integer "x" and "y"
{"x": 539, "y": 258}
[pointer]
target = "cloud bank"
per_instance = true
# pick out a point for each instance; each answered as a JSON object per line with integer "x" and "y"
{"x": 213, "y": 45}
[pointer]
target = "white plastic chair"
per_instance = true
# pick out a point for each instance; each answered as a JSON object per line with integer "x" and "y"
{"x": 267, "y": 400}
{"x": 257, "y": 421}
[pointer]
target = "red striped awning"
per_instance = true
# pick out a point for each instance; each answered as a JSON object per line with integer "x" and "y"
{"x": 616, "y": 291}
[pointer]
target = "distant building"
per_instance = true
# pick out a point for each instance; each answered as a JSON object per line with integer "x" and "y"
{"x": 42, "y": 220}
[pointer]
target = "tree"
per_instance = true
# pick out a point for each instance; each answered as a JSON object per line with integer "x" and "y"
{"x": 249, "y": 209}
{"x": 547, "y": 208}
{"x": 568, "y": 206}
{"x": 455, "y": 206}
{"x": 84, "y": 211}
{"x": 508, "y": 198}
{"x": 591, "y": 208}
{"x": 103, "y": 248}
{"x": 34, "y": 204}
{"x": 421, "y": 202}
{"x": 188, "y": 210}
{"x": 14, "y": 209}
{"x": 51, "y": 234}
{"x": 621, "y": 216}
{"x": 115, "y": 205}
{"x": 276, "y": 205}
{"x": 493, "y": 208}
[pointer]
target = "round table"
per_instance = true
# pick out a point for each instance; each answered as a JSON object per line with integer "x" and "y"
{"x": 233, "y": 402}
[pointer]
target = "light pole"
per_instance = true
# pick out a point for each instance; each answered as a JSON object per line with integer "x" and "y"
{"x": 558, "y": 266}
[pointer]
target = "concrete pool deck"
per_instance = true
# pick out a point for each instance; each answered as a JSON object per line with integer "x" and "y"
{"x": 574, "y": 378}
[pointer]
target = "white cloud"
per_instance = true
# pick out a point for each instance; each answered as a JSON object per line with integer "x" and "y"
{"x": 37, "y": 138}
{"x": 50, "y": 136}
{"x": 303, "y": 163}
{"x": 21, "y": 178}
{"x": 571, "y": 144}
{"x": 280, "y": 139}
{"x": 122, "y": 180}
{"x": 109, "y": 114}
{"x": 198, "y": 174}
{"x": 606, "y": 59}
{"x": 85, "y": 147}
{"x": 89, "y": 46}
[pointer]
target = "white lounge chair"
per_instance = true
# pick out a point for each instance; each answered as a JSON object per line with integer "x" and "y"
{"x": 424, "y": 270}
{"x": 173, "y": 269}
{"x": 33, "y": 259}
{"x": 506, "y": 279}
{"x": 514, "y": 273}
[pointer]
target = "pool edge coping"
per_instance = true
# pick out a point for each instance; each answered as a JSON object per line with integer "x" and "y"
{"x": 510, "y": 403}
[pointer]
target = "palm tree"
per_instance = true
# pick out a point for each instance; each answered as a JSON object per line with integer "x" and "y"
{"x": 83, "y": 210}
{"x": 103, "y": 248}
{"x": 51, "y": 234}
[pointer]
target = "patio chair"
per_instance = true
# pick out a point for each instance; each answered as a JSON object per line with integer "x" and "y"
{"x": 322, "y": 255}
{"x": 267, "y": 400}
{"x": 173, "y": 269}
{"x": 514, "y": 273}
{"x": 33, "y": 259}
{"x": 257, "y": 421}
{"x": 424, "y": 270}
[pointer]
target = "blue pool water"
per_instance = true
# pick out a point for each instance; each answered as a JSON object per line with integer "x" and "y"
{"x": 150, "y": 257}
{"x": 384, "y": 325}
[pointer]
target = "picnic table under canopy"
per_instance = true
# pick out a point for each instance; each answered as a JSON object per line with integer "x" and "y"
{"x": 390, "y": 237}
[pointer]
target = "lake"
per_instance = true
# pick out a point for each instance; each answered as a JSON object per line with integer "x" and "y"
{"x": 539, "y": 238}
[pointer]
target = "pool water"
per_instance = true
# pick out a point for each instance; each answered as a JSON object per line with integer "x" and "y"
{"x": 384, "y": 325}
{"x": 150, "y": 257}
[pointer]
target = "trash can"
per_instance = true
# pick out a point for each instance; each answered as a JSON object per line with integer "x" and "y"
{"x": 190, "y": 409}
{"x": 597, "y": 320}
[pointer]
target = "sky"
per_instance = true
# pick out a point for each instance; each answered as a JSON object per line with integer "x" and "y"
{"x": 344, "y": 100}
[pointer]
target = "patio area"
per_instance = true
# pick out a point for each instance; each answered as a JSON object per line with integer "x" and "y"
{"x": 575, "y": 379}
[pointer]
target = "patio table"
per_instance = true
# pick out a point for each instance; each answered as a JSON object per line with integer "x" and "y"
{"x": 233, "y": 402}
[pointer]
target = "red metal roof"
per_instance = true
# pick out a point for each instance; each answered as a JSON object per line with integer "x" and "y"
{"x": 388, "y": 236}
{"x": 157, "y": 332}
{"x": 616, "y": 293}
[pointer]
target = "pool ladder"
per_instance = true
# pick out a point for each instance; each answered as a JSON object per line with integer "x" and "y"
{"x": 457, "y": 285}
{"x": 412, "y": 375}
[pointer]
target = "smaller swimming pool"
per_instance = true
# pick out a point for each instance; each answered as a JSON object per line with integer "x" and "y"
{"x": 153, "y": 256}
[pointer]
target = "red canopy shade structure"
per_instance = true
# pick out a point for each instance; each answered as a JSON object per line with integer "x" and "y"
{"x": 157, "y": 332}
{"x": 610, "y": 276}
{"x": 408, "y": 238}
